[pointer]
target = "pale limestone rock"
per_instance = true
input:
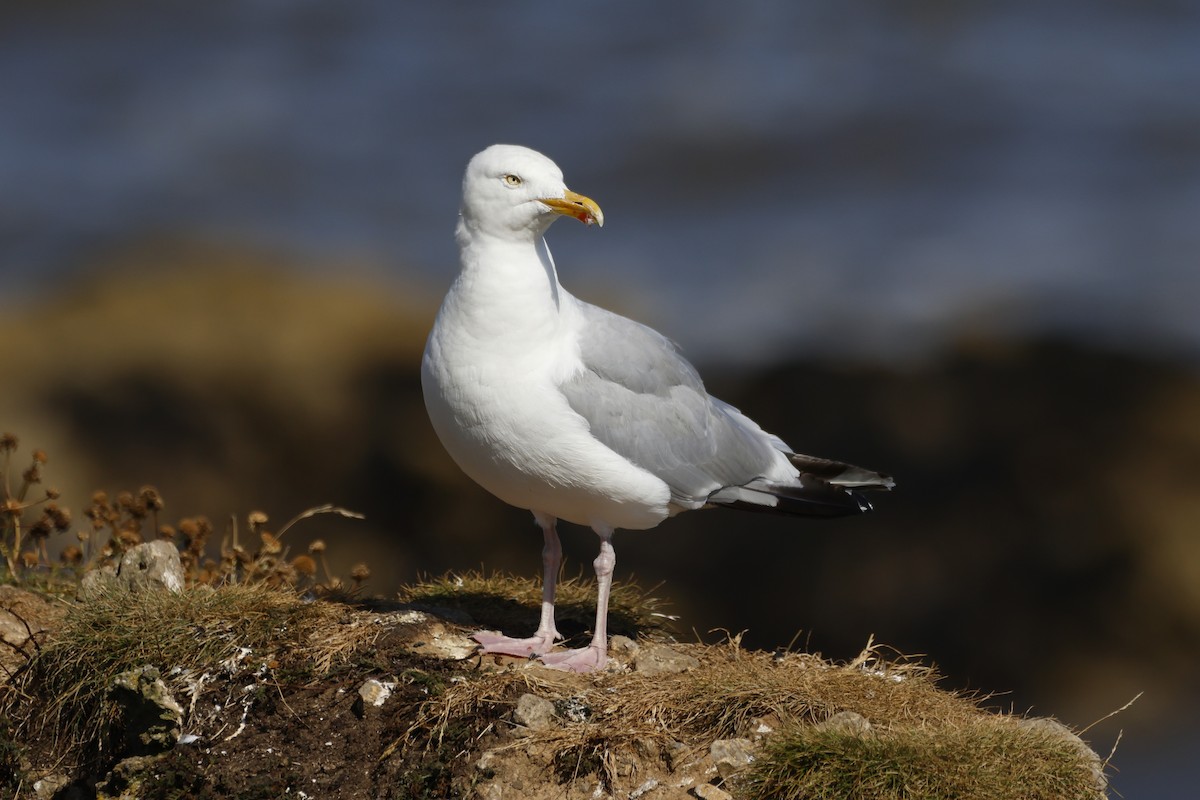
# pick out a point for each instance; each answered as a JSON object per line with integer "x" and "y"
{"x": 706, "y": 791}
{"x": 731, "y": 755}
{"x": 658, "y": 659}
{"x": 533, "y": 712}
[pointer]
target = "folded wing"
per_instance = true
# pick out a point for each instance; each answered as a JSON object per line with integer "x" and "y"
{"x": 643, "y": 400}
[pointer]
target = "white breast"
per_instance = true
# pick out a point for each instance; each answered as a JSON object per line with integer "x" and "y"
{"x": 490, "y": 375}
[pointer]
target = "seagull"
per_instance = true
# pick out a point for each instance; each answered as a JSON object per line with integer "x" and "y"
{"x": 576, "y": 413}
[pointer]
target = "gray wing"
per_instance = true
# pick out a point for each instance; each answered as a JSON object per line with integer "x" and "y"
{"x": 646, "y": 402}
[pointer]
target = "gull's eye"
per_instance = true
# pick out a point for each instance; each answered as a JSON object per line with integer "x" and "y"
{"x": 512, "y": 180}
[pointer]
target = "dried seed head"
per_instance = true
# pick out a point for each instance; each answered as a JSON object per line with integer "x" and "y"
{"x": 52, "y": 493}
{"x": 189, "y": 528}
{"x": 40, "y": 457}
{"x": 100, "y": 498}
{"x": 60, "y": 517}
{"x": 195, "y": 531}
{"x": 128, "y": 538}
{"x": 82, "y": 535}
{"x": 71, "y": 555}
{"x": 270, "y": 544}
{"x": 133, "y": 506}
{"x": 285, "y": 573}
{"x": 305, "y": 565}
{"x": 150, "y": 498}
{"x": 360, "y": 572}
{"x": 317, "y": 547}
{"x": 166, "y": 532}
{"x": 256, "y": 519}
{"x": 29, "y": 559}
{"x": 8, "y": 442}
{"x": 33, "y": 474}
{"x": 41, "y": 528}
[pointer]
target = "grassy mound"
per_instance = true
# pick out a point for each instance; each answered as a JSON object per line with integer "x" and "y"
{"x": 267, "y": 676}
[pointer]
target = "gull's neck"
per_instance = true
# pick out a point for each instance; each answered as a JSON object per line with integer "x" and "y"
{"x": 508, "y": 287}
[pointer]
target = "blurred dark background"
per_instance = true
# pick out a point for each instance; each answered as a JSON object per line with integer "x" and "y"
{"x": 957, "y": 242}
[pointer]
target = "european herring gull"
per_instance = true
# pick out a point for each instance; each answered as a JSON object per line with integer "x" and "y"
{"x": 576, "y": 413}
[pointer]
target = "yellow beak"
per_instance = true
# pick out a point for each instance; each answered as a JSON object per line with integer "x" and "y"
{"x": 575, "y": 205}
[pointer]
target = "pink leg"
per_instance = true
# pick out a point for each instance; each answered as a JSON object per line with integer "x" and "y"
{"x": 547, "y": 634}
{"x": 595, "y": 655}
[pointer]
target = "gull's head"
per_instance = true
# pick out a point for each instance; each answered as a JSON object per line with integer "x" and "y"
{"x": 513, "y": 192}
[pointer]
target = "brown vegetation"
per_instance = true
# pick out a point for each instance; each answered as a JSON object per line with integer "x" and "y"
{"x": 261, "y": 677}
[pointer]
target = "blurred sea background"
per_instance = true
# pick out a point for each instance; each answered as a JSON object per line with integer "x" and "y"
{"x": 959, "y": 242}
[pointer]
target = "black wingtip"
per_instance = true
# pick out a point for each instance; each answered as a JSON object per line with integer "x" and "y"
{"x": 812, "y": 497}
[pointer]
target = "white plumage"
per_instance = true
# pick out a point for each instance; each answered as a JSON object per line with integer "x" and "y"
{"x": 575, "y": 413}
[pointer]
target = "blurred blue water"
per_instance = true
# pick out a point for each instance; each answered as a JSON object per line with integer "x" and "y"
{"x": 863, "y": 179}
{"x": 869, "y": 178}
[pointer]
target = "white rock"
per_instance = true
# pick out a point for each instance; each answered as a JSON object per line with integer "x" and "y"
{"x": 641, "y": 790}
{"x": 535, "y": 713}
{"x": 706, "y": 791}
{"x": 731, "y": 755}
{"x": 375, "y": 693}
{"x": 658, "y": 659}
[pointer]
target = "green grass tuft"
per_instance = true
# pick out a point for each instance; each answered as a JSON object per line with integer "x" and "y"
{"x": 992, "y": 758}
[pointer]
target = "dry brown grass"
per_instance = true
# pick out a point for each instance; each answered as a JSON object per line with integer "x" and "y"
{"x": 731, "y": 688}
{"x": 924, "y": 742}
